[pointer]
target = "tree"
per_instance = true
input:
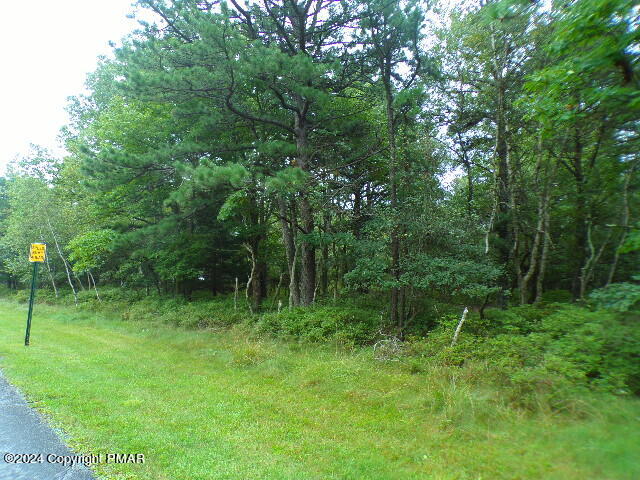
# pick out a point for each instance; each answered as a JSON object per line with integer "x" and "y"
{"x": 391, "y": 34}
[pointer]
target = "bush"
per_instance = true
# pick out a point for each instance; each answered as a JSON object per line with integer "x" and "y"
{"x": 619, "y": 297}
{"x": 21, "y": 296}
{"x": 549, "y": 354}
{"x": 557, "y": 296}
{"x": 178, "y": 311}
{"x": 318, "y": 323}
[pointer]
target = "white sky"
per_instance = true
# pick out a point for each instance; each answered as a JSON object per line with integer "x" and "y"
{"x": 48, "y": 47}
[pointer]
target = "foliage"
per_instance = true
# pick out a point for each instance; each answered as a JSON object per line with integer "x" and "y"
{"x": 424, "y": 154}
{"x": 549, "y": 354}
{"x": 89, "y": 250}
{"x": 619, "y": 297}
{"x": 632, "y": 243}
{"x": 323, "y": 323}
{"x": 382, "y": 418}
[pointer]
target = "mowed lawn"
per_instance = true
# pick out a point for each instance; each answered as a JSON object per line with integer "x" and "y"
{"x": 228, "y": 405}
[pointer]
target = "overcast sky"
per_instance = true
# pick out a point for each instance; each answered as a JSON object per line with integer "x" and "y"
{"x": 48, "y": 47}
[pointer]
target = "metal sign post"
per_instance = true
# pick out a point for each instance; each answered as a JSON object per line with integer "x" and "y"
{"x": 37, "y": 255}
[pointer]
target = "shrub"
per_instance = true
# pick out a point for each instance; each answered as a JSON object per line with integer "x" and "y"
{"x": 21, "y": 296}
{"x": 557, "y": 296}
{"x": 545, "y": 355}
{"x": 619, "y": 297}
{"x": 317, "y": 323}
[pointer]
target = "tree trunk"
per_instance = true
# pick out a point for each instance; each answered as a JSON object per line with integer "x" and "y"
{"x": 253, "y": 282}
{"x": 543, "y": 257}
{"x": 324, "y": 271}
{"x": 276, "y": 294}
{"x": 293, "y": 287}
{"x": 75, "y": 275}
{"x": 624, "y": 224}
{"x": 64, "y": 261}
{"x": 514, "y": 214}
{"x": 94, "y": 285}
{"x": 533, "y": 256}
{"x": 288, "y": 223}
{"x": 586, "y": 273}
{"x": 543, "y": 206}
{"x": 580, "y": 218}
{"x": 53, "y": 282}
{"x": 256, "y": 279}
{"x": 502, "y": 220}
{"x": 357, "y": 209}
{"x": 235, "y": 296}
{"x": 393, "y": 185}
{"x": 307, "y": 248}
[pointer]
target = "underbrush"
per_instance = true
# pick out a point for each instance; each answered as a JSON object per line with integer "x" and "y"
{"x": 349, "y": 322}
{"x": 545, "y": 358}
{"x": 347, "y": 325}
{"x": 268, "y": 408}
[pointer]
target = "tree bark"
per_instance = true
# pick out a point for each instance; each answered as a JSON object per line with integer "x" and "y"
{"x": 502, "y": 220}
{"x": 64, "y": 261}
{"x": 324, "y": 272}
{"x": 459, "y": 327}
{"x": 252, "y": 282}
{"x": 393, "y": 186}
{"x": 94, "y": 285}
{"x": 293, "y": 287}
{"x": 624, "y": 224}
{"x": 543, "y": 257}
{"x": 307, "y": 248}
{"x": 53, "y": 282}
{"x": 542, "y": 180}
{"x": 582, "y": 226}
{"x": 586, "y": 273}
{"x": 287, "y": 223}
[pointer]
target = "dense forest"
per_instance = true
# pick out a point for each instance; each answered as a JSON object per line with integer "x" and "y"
{"x": 477, "y": 153}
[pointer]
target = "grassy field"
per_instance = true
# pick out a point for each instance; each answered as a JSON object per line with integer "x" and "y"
{"x": 228, "y": 405}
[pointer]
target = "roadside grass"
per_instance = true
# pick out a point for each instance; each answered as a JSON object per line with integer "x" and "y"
{"x": 228, "y": 404}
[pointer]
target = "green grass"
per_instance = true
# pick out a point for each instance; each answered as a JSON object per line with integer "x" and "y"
{"x": 229, "y": 405}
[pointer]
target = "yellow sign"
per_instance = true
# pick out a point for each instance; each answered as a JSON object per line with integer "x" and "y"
{"x": 38, "y": 252}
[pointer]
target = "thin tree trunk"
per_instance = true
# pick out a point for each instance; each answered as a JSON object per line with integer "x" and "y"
{"x": 514, "y": 253}
{"x": 491, "y": 221}
{"x": 624, "y": 225}
{"x": 293, "y": 301}
{"x": 594, "y": 256}
{"x": 75, "y": 275}
{"x": 467, "y": 169}
{"x": 543, "y": 257}
{"x": 235, "y": 296}
{"x": 254, "y": 303}
{"x": 53, "y": 282}
{"x": 336, "y": 283}
{"x": 64, "y": 261}
{"x": 535, "y": 249}
{"x": 277, "y": 292}
{"x": 543, "y": 205}
{"x": 94, "y": 285}
{"x": 459, "y": 327}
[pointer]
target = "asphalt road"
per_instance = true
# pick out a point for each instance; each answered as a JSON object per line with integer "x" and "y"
{"x": 23, "y": 431}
